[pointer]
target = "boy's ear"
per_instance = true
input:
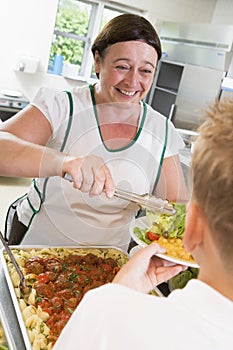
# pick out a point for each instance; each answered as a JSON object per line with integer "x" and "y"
{"x": 194, "y": 227}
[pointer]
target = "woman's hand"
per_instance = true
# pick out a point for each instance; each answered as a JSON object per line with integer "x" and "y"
{"x": 89, "y": 174}
{"x": 144, "y": 271}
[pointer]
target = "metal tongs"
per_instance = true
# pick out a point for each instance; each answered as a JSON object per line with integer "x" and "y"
{"x": 22, "y": 284}
{"x": 145, "y": 201}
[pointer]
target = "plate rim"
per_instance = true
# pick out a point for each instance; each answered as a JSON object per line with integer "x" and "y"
{"x": 143, "y": 244}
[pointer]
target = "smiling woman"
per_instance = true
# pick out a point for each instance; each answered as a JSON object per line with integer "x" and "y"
{"x": 103, "y": 135}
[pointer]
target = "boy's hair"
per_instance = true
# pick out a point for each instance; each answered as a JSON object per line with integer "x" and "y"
{"x": 212, "y": 165}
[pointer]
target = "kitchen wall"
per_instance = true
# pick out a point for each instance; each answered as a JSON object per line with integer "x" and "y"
{"x": 26, "y": 28}
{"x": 178, "y": 10}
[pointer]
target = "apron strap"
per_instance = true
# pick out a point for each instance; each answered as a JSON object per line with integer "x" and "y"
{"x": 161, "y": 158}
{"x": 65, "y": 138}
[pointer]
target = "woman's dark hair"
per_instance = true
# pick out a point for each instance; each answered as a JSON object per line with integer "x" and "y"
{"x": 127, "y": 27}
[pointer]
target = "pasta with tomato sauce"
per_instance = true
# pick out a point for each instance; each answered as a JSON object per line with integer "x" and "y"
{"x": 58, "y": 279}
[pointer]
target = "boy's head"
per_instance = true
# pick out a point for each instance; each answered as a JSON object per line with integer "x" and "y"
{"x": 212, "y": 165}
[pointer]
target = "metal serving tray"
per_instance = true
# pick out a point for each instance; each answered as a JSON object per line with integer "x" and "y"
{"x": 7, "y": 333}
{"x": 18, "y": 312}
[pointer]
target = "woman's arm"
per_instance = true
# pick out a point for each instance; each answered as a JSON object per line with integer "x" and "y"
{"x": 22, "y": 145}
{"x": 171, "y": 184}
{"x": 30, "y": 124}
{"x": 23, "y": 153}
{"x": 25, "y": 159}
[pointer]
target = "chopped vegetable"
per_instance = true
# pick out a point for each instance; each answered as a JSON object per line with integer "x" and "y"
{"x": 163, "y": 225}
{"x": 152, "y": 236}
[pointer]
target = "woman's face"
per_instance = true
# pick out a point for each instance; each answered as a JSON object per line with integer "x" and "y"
{"x": 126, "y": 72}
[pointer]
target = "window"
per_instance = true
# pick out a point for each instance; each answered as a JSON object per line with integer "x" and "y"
{"x": 77, "y": 24}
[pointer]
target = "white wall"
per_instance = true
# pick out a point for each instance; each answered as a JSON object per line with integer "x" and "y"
{"x": 223, "y": 12}
{"x": 177, "y": 10}
{"x": 26, "y": 28}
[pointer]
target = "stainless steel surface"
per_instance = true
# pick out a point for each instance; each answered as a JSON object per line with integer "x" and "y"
{"x": 10, "y": 105}
{"x": 14, "y": 262}
{"x": 9, "y": 310}
{"x": 208, "y": 35}
{"x": 206, "y": 53}
{"x": 207, "y": 45}
{"x": 6, "y": 329}
{"x": 189, "y": 137}
{"x": 227, "y": 84}
{"x": 145, "y": 201}
{"x": 199, "y": 86}
{"x": 172, "y": 111}
{"x": 183, "y": 91}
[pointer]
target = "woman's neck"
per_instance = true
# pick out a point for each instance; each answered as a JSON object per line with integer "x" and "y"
{"x": 116, "y": 112}
{"x": 118, "y": 122}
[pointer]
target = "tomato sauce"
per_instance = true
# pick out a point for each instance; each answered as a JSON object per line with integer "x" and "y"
{"x": 61, "y": 284}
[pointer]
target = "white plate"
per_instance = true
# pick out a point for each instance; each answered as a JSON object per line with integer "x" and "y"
{"x": 134, "y": 250}
{"x": 12, "y": 93}
{"x": 142, "y": 223}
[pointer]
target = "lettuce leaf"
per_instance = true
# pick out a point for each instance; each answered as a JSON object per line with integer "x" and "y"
{"x": 172, "y": 225}
{"x": 169, "y": 226}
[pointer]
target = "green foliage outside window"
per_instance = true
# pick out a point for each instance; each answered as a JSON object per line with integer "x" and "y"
{"x": 72, "y": 19}
{"x": 71, "y": 30}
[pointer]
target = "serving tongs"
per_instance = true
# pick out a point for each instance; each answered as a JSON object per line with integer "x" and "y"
{"x": 144, "y": 201}
{"x": 22, "y": 283}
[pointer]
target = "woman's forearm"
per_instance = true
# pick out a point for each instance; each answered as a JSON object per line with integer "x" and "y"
{"x": 19, "y": 158}
{"x": 172, "y": 185}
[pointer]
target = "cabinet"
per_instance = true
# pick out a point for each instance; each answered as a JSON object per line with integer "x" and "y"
{"x": 182, "y": 92}
{"x": 164, "y": 90}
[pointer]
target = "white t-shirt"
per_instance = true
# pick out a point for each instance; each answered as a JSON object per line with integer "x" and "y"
{"x": 114, "y": 317}
{"x": 68, "y": 216}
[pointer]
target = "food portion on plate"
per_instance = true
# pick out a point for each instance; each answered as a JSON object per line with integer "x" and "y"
{"x": 162, "y": 225}
{"x": 57, "y": 279}
{"x": 167, "y": 231}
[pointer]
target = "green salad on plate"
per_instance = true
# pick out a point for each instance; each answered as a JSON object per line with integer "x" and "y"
{"x": 172, "y": 226}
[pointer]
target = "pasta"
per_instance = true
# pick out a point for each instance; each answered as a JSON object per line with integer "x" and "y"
{"x": 49, "y": 272}
{"x": 175, "y": 248}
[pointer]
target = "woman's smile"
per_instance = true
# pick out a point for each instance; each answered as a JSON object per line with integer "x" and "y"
{"x": 127, "y": 93}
